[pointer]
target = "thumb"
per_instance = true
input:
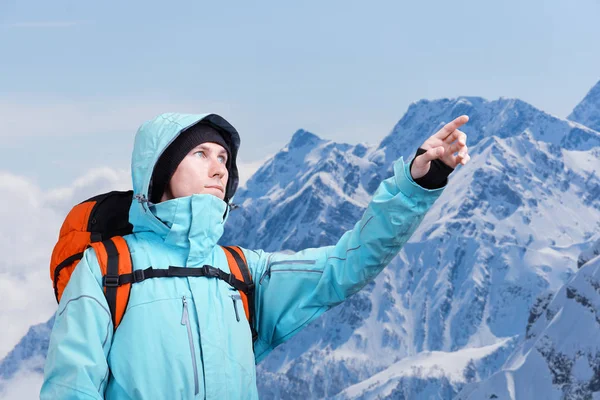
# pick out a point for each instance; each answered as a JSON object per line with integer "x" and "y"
{"x": 430, "y": 155}
{"x": 422, "y": 163}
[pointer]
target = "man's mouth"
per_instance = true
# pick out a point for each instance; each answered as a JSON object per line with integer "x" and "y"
{"x": 214, "y": 187}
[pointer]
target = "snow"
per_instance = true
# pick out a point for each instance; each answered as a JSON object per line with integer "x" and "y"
{"x": 425, "y": 365}
{"x": 565, "y": 351}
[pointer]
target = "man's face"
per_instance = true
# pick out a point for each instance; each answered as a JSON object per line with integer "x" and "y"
{"x": 202, "y": 170}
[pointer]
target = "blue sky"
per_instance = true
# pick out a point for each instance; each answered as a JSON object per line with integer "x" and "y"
{"x": 78, "y": 77}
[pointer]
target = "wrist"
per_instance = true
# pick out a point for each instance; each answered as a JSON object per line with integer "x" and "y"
{"x": 436, "y": 177}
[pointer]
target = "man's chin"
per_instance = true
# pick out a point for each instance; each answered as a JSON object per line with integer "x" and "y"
{"x": 215, "y": 192}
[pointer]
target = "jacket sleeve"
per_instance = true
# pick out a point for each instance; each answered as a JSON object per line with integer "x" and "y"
{"x": 76, "y": 365}
{"x": 292, "y": 289}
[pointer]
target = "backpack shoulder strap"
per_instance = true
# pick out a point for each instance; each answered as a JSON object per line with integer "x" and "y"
{"x": 114, "y": 260}
{"x": 238, "y": 267}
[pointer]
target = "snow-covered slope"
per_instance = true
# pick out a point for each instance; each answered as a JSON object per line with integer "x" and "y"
{"x": 430, "y": 374}
{"x": 560, "y": 358}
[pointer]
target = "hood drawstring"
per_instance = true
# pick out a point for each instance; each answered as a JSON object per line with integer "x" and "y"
{"x": 141, "y": 198}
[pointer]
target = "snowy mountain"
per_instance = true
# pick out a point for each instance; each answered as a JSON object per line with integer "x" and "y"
{"x": 456, "y": 302}
{"x": 560, "y": 358}
{"x": 588, "y": 111}
{"x": 308, "y": 193}
{"x": 471, "y": 272}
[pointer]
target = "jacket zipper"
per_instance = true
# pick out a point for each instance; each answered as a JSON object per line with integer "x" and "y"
{"x": 185, "y": 320}
{"x": 235, "y": 298}
{"x": 268, "y": 270}
{"x": 297, "y": 270}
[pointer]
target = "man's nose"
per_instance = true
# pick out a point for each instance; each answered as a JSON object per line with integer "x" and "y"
{"x": 218, "y": 168}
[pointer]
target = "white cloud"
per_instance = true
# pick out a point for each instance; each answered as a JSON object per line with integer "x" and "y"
{"x": 24, "y": 386}
{"x": 98, "y": 180}
{"x": 31, "y": 219}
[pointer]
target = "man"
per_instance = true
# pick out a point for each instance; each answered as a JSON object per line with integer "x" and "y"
{"x": 182, "y": 337}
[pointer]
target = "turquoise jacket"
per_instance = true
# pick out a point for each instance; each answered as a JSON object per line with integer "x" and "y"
{"x": 181, "y": 338}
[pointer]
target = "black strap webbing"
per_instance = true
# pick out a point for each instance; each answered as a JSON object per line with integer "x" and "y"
{"x": 206, "y": 270}
{"x": 111, "y": 279}
{"x": 241, "y": 264}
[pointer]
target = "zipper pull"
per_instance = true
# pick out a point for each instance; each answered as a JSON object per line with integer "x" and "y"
{"x": 265, "y": 274}
{"x": 184, "y": 317}
{"x": 237, "y": 315}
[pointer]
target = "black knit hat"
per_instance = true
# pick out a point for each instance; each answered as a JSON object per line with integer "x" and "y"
{"x": 173, "y": 155}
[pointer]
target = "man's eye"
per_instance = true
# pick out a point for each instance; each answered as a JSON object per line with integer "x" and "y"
{"x": 199, "y": 153}
{"x": 222, "y": 159}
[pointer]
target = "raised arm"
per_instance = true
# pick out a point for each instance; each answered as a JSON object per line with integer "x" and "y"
{"x": 294, "y": 289}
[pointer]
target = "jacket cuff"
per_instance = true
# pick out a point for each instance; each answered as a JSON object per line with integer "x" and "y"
{"x": 408, "y": 186}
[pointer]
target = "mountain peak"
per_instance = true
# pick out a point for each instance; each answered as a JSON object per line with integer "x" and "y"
{"x": 304, "y": 138}
{"x": 587, "y": 112}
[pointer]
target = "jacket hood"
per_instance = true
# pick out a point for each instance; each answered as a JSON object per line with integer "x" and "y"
{"x": 151, "y": 140}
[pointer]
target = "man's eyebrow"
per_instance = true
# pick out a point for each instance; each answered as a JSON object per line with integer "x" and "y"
{"x": 204, "y": 147}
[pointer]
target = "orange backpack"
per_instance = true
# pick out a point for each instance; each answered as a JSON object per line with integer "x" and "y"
{"x": 101, "y": 222}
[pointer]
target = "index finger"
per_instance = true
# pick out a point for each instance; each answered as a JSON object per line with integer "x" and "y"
{"x": 451, "y": 127}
